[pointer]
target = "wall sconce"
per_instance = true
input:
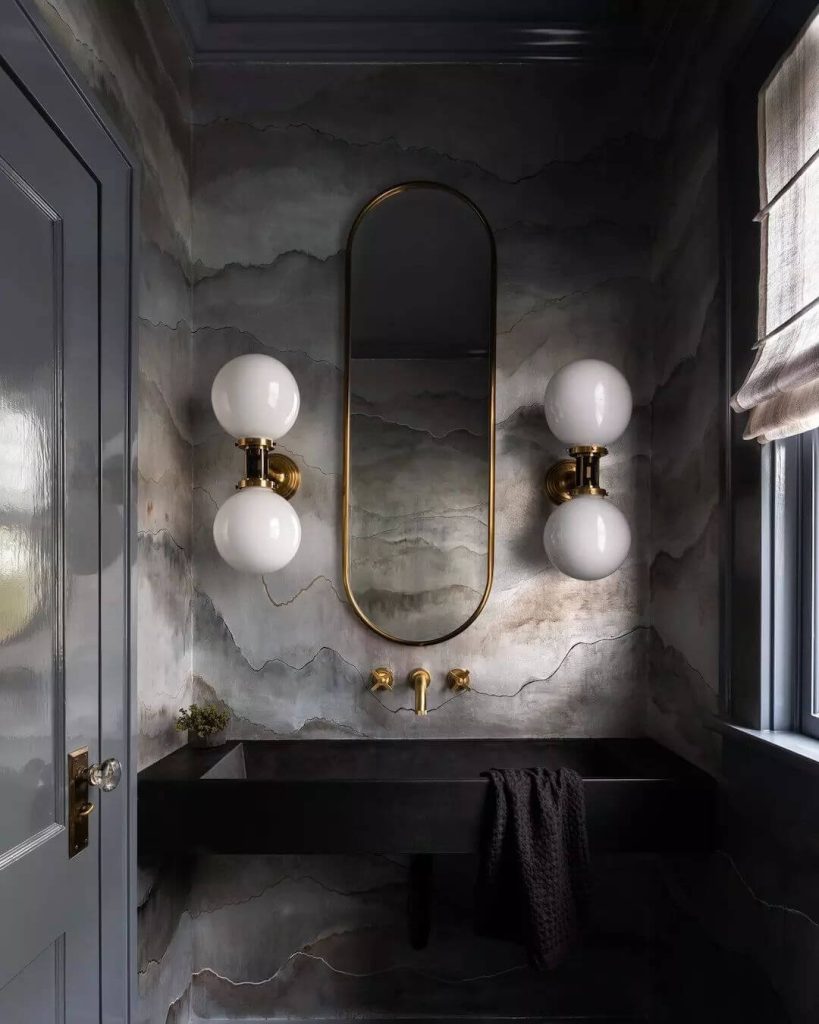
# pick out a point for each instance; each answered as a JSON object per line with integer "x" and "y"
{"x": 256, "y": 400}
{"x": 587, "y": 405}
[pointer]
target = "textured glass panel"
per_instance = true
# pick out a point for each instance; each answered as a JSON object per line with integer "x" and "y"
{"x": 28, "y": 554}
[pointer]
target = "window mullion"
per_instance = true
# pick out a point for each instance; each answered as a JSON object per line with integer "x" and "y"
{"x": 807, "y": 532}
{"x": 783, "y": 544}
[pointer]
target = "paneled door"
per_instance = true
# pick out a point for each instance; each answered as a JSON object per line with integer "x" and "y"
{"x": 50, "y": 515}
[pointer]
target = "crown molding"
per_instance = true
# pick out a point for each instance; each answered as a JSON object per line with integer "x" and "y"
{"x": 266, "y": 31}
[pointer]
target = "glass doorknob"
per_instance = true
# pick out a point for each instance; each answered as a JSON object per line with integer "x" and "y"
{"x": 105, "y": 775}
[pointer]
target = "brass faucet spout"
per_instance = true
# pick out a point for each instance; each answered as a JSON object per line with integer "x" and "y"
{"x": 419, "y": 680}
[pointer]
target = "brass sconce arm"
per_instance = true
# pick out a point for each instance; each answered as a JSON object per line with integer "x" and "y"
{"x": 579, "y": 475}
{"x": 265, "y": 467}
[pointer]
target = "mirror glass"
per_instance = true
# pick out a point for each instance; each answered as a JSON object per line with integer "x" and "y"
{"x": 419, "y": 453}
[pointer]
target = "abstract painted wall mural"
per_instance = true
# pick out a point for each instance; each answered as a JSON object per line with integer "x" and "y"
{"x": 283, "y": 161}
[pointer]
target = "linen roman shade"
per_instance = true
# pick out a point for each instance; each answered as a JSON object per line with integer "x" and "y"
{"x": 781, "y": 391}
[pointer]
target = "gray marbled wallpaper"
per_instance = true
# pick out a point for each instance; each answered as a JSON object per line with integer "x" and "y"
{"x": 283, "y": 160}
{"x": 327, "y": 937}
{"x": 687, "y": 416}
{"x": 744, "y": 925}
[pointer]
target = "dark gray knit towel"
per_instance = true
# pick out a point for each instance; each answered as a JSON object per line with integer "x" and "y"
{"x": 534, "y": 869}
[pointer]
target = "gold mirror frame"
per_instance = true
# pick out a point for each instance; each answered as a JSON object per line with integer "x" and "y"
{"x": 345, "y": 498}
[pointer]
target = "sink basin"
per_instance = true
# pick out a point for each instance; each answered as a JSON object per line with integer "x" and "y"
{"x": 406, "y": 796}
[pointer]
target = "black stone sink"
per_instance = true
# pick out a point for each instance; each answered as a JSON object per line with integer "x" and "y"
{"x": 406, "y": 796}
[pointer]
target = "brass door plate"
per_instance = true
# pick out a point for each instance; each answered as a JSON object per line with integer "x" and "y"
{"x": 79, "y": 807}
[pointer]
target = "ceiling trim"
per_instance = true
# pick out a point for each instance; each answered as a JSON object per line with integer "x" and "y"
{"x": 396, "y": 40}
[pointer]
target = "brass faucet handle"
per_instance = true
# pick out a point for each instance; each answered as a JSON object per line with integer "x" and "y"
{"x": 458, "y": 679}
{"x": 381, "y": 679}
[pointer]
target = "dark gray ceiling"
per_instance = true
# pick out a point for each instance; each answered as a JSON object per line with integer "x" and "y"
{"x": 413, "y": 30}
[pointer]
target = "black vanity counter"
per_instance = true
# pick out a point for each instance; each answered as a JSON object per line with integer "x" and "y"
{"x": 406, "y": 796}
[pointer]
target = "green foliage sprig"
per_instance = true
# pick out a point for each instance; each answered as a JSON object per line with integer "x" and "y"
{"x": 204, "y": 721}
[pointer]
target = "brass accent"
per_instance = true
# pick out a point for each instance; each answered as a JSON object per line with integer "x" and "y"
{"x": 79, "y": 807}
{"x": 560, "y": 481}
{"x": 265, "y": 467}
{"x": 458, "y": 679}
{"x": 255, "y": 442}
{"x": 419, "y": 679}
{"x": 588, "y": 449}
{"x": 381, "y": 679}
{"x": 569, "y": 478}
{"x": 345, "y": 498}
{"x": 284, "y": 473}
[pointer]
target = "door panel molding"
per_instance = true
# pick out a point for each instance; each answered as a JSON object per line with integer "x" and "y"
{"x": 29, "y": 845}
{"x": 39, "y": 987}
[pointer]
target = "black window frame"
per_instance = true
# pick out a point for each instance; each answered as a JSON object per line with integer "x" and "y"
{"x": 770, "y": 492}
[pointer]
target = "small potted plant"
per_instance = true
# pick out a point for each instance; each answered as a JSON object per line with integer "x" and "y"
{"x": 205, "y": 725}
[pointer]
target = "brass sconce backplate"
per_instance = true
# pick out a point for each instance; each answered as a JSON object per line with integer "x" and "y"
{"x": 560, "y": 481}
{"x": 284, "y": 473}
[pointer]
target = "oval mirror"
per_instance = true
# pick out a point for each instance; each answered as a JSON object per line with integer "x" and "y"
{"x": 418, "y": 514}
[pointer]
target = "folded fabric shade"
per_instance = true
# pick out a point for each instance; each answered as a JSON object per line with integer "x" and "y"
{"x": 781, "y": 390}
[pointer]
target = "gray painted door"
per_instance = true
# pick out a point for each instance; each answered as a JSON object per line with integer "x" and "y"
{"x": 49, "y": 567}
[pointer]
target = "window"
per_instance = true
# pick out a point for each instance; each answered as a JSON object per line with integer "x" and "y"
{"x": 792, "y": 493}
{"x": 789, "y": 327}
{"x": 781, "y": 391}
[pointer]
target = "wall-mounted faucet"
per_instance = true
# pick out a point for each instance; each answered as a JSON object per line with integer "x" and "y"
{"x": 419, "y": 680}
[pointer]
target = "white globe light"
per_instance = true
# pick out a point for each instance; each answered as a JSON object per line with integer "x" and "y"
{"x": 587, "y": 402}
{"x": 587, "y": 537}
{"x": 257, "y": 531}
{"x": 255, "y": 396}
